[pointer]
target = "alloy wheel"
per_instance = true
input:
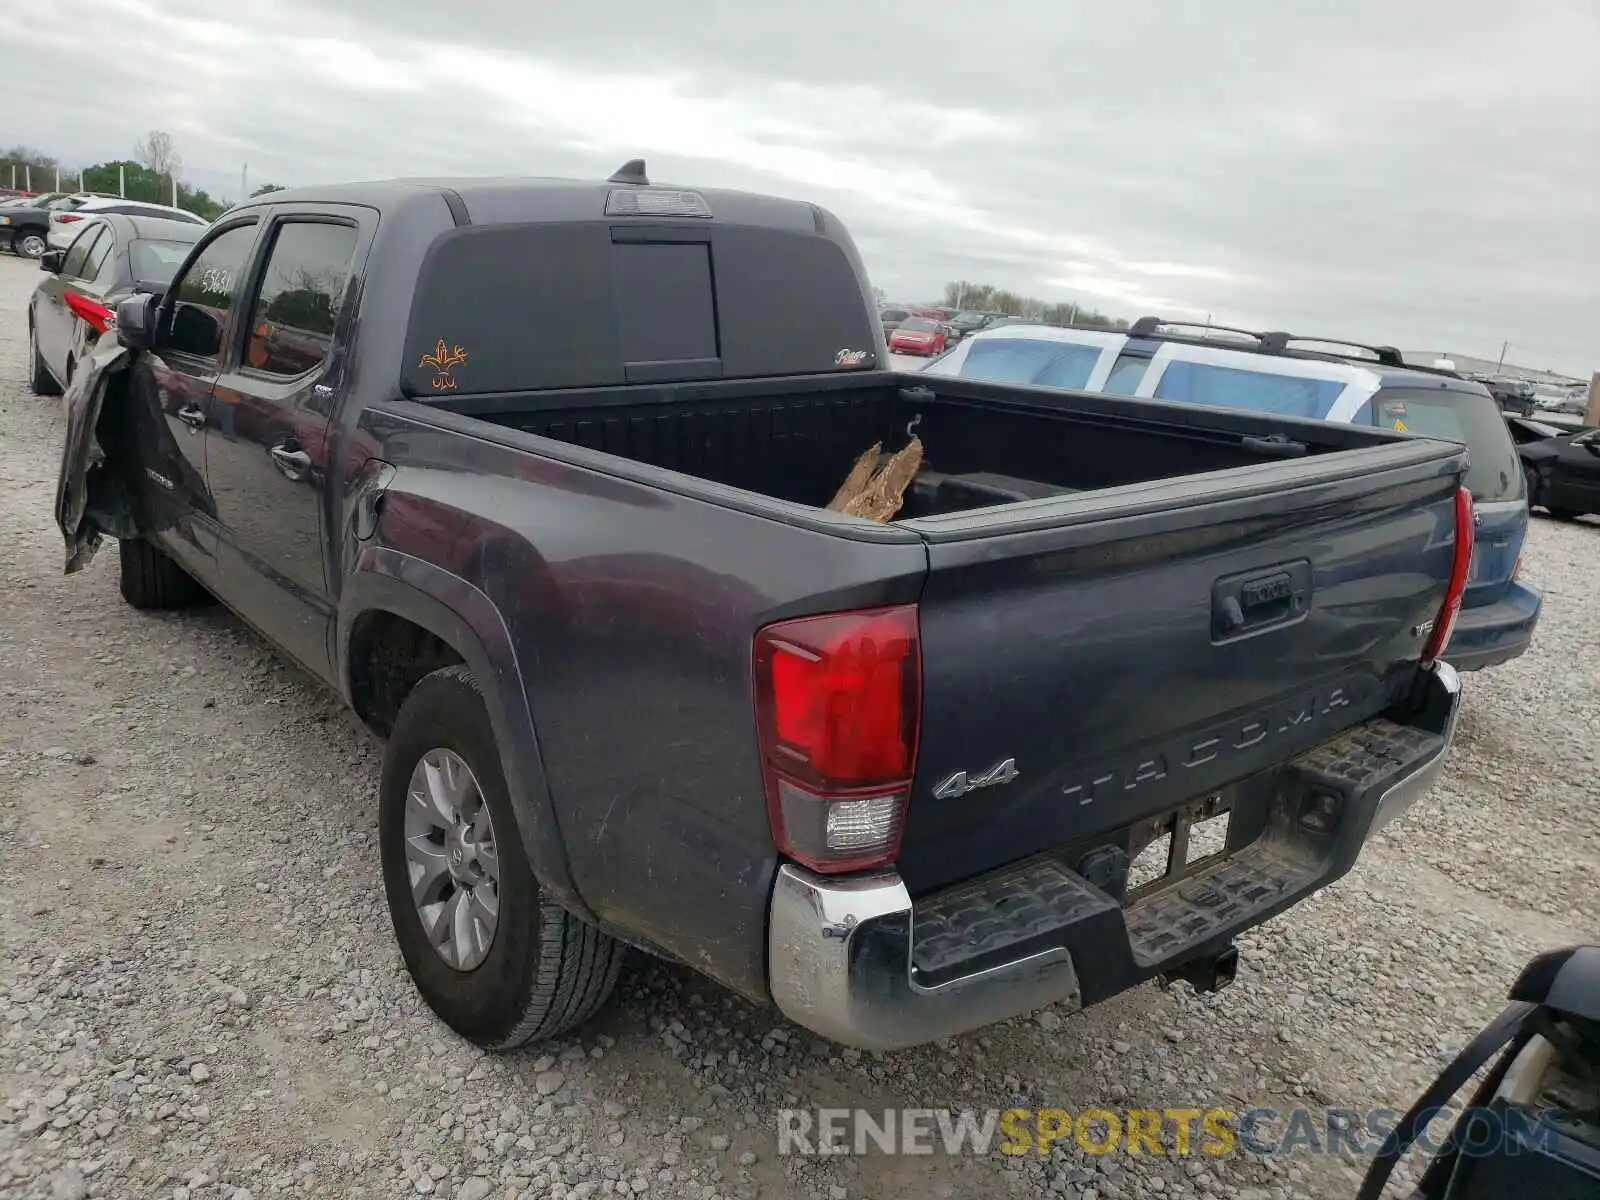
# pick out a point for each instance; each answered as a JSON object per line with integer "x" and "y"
{"x": 452, "y": 859}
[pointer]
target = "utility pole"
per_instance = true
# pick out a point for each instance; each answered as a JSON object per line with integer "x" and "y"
{"x": 57, "y": 187}
{"x": 1501, "y": 361}
{"x": 27, "y": 177}
{"x": 244, "y": 182}
{"x": 174, "y": 189}
{"x": 122, "y": 180}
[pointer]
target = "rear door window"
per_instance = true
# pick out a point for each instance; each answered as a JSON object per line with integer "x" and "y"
{"x": 1474, "y": 420}
{"x": 1259, "y": 391}
{"x": 302, "y": 289}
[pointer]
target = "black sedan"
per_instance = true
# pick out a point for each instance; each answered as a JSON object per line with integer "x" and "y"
{"x": 113, "y": 257}
{"x": 25, "y": 222}
{"x": 1562, "y": 466}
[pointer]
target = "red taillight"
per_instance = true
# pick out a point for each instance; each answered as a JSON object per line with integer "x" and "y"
{"x": 69, "y": 218}
{"x": 1460, "y": 566}
{"x": 98, "y": 315}
{"x": 838, "y": 702}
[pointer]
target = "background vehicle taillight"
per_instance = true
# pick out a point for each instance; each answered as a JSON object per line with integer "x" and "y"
{"x": 838, "y": 703}
{"x": 98, "y": 315}
{"x": 1460, "y": 567}
{"x": 69, "y": 218}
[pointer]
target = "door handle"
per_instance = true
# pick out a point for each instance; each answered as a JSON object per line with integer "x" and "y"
{"x": 192, "y": 417}
{"x": 293, "y": 463}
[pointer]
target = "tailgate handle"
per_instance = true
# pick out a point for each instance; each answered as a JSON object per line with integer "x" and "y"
{"x": 1258, "y": 600}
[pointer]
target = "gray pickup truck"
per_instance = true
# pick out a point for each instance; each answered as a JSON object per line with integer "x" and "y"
{"x": 536, "y": 475}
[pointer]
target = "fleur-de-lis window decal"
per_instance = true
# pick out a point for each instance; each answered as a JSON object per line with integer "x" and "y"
{"x": 442, "y": 360}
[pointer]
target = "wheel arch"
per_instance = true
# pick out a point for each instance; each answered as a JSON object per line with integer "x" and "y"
{"x": 401, "y": 618}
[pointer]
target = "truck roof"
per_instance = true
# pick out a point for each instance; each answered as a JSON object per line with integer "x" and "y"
{"x": 496, "y": 200}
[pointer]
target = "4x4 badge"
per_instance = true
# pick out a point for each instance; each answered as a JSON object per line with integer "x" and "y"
{"x": 961, "y": 783}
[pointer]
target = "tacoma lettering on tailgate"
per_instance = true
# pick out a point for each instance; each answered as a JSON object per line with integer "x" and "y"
{"x": 1207, "y": 746}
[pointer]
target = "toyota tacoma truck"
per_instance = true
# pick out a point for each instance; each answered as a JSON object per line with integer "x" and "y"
{"x": 537, "y": 475}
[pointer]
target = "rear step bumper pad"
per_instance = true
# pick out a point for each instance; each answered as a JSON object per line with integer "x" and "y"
{"x": 854, "y": 960}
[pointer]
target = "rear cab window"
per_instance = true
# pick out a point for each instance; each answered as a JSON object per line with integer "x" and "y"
{"x": 630, "y": 303}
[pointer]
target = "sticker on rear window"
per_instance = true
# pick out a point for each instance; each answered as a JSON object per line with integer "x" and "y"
{"x": 851, "y": 358}
{"x": 443, "y": 360}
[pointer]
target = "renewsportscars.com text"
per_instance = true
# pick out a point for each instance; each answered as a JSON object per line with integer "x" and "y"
{"x": 1166, "y": 1132}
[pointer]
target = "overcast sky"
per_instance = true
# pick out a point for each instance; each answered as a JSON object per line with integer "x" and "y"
{"x": 1417, "y": 172}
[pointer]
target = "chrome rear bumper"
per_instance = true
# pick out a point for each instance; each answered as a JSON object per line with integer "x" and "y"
{"x": 839, "y": 949}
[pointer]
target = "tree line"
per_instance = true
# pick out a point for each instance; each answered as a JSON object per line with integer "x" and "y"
{"x": 986, "y": 297}
{"x": 151, "y": 174}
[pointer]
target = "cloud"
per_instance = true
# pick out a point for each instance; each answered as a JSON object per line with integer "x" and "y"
{"x": 1415, "y": 174}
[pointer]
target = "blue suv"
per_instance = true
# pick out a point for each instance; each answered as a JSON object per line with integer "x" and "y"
{"x": 1303, "y": 377}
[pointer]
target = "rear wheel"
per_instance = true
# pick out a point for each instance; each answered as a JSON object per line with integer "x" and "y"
{"x": 151, "y": 580}
{"x": 40, "y": 381}
{"x": 30, "y": 243}
{"x": 491, "y": 953}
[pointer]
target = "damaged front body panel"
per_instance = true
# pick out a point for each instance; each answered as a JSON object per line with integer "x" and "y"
{"x": 122, "y": 472}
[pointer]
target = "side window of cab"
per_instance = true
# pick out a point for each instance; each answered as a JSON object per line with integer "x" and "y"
{"x": 204, "y": 296}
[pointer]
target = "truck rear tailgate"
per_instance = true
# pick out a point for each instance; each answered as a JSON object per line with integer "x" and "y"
{"x": 1132, "y": 650}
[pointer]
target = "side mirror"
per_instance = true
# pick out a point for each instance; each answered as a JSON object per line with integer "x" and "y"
{"x": 195, "y": 331}
{"x": 136, "y": 321}
{"x": 51, "y": 261}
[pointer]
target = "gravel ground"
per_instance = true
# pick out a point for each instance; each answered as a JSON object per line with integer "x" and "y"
{"x": 199, "y": 995}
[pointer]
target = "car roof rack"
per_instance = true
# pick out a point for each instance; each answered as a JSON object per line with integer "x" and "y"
{"x": 1280, "y": 342}
{"x": 1152, "y": 327}
{"x": 1387, "y": 356}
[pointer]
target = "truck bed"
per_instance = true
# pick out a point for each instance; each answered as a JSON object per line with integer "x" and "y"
{"x": 795, "y": 440}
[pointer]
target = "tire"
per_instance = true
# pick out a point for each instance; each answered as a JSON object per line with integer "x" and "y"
{"x": 544, "y": 971}
{"x": 150, "y": 580}
{"x": 40, "y": 381}
{"x": 30, "y": 243}
{"x": 1563, "y": 514}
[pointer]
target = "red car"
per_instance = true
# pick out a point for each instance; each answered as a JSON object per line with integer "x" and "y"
{"x": 918, "y": 335}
